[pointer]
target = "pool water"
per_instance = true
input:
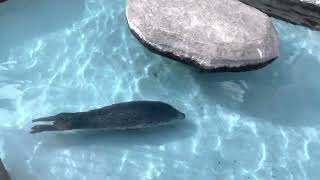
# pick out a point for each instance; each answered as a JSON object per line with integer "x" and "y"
{"x": 76, "y": 55}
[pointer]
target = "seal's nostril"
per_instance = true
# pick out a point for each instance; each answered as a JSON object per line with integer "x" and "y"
{"x": 182, "y": 116}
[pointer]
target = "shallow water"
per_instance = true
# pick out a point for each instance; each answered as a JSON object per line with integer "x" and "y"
{"x": 75, "y": 55}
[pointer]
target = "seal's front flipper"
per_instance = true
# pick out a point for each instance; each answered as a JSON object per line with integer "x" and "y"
{"x": 41, "y": 128}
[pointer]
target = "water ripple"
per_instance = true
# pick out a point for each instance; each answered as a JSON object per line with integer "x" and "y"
{"x": 252, "y": 125}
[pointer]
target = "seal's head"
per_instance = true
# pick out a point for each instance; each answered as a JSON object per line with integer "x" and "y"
{"x": 181, "y": 115}
{"x": 165, "y": 114}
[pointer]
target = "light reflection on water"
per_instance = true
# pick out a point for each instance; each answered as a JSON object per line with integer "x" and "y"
{"x": 260, "y": 125}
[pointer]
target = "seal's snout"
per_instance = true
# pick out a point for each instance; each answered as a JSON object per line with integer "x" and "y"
{"x": 181, "y": 116}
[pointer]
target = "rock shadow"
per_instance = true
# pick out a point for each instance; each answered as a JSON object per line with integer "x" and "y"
{"x": 124, "y": 138}
{"x": 284, "y": 93}
{"x": 23, "y": 151}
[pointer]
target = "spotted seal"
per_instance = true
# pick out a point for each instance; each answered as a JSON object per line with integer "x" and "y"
{"x": 127, "y": 115}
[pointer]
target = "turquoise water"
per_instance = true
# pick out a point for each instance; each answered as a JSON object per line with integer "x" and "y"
{"x": 75, "y": 55}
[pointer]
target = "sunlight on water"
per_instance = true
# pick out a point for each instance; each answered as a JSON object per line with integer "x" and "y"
{"x": 259, "y": 125}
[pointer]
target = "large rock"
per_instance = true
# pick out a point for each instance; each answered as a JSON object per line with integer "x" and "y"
{"x": 300, "y": 12}
{"x": 215, "y": 35}
{"x": 3, "y": 172}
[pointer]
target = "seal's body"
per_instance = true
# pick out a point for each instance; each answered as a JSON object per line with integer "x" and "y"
{"x": 128, "y": 115}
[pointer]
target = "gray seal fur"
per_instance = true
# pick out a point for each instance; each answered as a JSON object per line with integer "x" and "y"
{"x": 127, "y": 115}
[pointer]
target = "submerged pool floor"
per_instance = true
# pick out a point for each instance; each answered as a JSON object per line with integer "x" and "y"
{"x": 78, "y": 55}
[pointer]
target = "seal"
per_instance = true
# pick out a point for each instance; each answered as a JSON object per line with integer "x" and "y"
{"x": 121, "y": 116}
{"x": 3, "y": 172}
{"x": 1, "y": 1}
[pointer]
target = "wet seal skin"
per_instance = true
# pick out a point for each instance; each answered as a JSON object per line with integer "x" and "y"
{"x": 121, "y": 116}
{"x": 3, "y": 172}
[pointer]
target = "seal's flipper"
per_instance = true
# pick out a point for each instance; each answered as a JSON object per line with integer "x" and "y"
{"x": 41, "y": 128}
{"x": 46, "y": 119}
{"x": 57, "y": 122}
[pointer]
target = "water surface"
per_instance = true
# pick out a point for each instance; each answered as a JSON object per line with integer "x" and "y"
{"x": 76, "y": 55}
